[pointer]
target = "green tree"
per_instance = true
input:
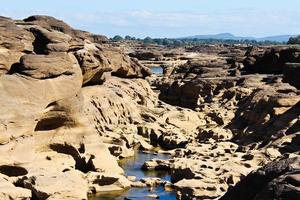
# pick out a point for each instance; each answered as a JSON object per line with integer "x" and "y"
{"x": 127, "y": 37}
{"x": 117, "y": 38}
{"x": 148, "y": 40}
{"x": 294, "y": 40}
{"x": 167, "y": 41}
{"x": 178, "y": 43}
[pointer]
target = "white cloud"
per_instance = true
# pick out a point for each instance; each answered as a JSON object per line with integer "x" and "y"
{"x": 167, "y": 19}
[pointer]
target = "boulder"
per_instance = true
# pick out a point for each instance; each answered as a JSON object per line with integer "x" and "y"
{"x": 49, "y": 23}
{"x": 194, "y": 189}
{"x": 14, "y": 42}
{"x": 146, "y": 55}
{"x": 272, "y": 61}
{"x": 46, "y": 66}
{"x": 64, "y": 185}
{"x": 171, "y": 140}
{"x": 92, "y": 63}
{"x": 124, "y": 66}
{"x": 99, "y": 182}
{"x": 9, "y": 191}
{"x": 43, "y": 76}
{"x": 49, "y": 41}
{"x": 276, "y": 180}
{"x": 291, "y": 74}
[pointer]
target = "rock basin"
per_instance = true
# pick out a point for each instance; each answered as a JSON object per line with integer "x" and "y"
{"x": 132, "y": 167}
{"x": 157, "y": 70}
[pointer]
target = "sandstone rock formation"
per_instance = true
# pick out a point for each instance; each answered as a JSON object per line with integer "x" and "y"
{"x": 73, "y": 105}
{"x": 271, "y": 60}
{"x": 277, "y": 180}
{"x": 15, "y": 41}
{"x": 44, "y": 64}
{"x": 291, "y": 74}
{"x": 250, "y": 114}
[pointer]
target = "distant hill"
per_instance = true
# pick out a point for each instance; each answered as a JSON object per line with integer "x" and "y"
{"x": 229, "y": 36}
{"x": 278, "y": 38}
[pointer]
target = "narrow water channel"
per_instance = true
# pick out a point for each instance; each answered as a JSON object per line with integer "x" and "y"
{"x": 132, "y": 167}
{"x": 157, "y": 70}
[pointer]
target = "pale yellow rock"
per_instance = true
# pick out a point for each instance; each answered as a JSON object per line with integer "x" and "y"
{"x": 8, "y": 191}
{"x": 69, "y": 184}
{"x": 105, "y": 182}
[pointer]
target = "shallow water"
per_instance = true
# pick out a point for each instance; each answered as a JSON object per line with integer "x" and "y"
{"x": 132, "y": 167}
{"x": 157, "y": 70}
{"x": 137, "y": 194}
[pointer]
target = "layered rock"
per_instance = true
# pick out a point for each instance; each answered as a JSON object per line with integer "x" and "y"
{"x": 10, "y": 191}
{"x": 15, "y": 41}
{"x": 52, "y": 23}
{"x": 257, "y": 112}
{"x": 291, "y": 74}
{"x": 45, "y": 65}
{"x": 36, "y": 84}
{"x": 271, "y": 60}
{"x": 81, "y": 104}
{"x": 277, "y": 180}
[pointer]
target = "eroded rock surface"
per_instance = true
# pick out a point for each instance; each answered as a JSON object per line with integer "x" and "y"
{"x": 73, "y": 104}
{"x": 277, "y": 180}
{"x": 45, "y": 64}
{"x": 249, "y": 113}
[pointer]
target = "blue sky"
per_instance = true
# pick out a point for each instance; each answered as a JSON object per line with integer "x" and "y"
{"x": 167, "y": 18}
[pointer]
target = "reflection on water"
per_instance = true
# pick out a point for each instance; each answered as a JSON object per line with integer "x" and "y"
{"x": 132, "y": 167}
{"x": 137, "y": 194}
{"x": 157, "y": 70}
